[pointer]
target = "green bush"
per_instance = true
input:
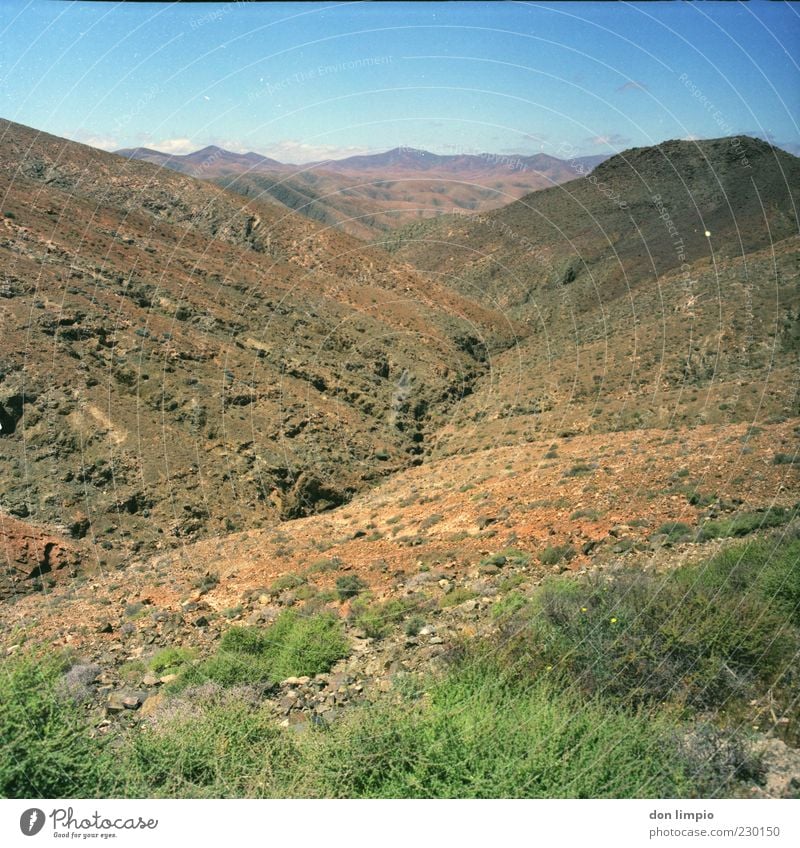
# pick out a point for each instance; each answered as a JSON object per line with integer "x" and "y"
{"x": 554, "y": 554}
{"x": 512, "y": 603}
{"x": 764, "y": 568}
{"x": 294, "y": 645}
{"x": 456, "y": 597}
{"x": 46, "y": 749}
{"x": 483, "y": 734}
{"x": 286, "y": 581}
{"x": 309, "y": 645}
{"x": 675, "y": 531}
{"x": 414, "y": 625}
{"x": 324, "y": 565}
{"x": 231, "y": 749}
{"x": 170, "y": 660}
{"x": 378, "y": 619}
{"x": 703, "y": 635}
{"x": 348, "y": 586}
{"x": 746, "y": 523}
{"x": 509, "y": 555}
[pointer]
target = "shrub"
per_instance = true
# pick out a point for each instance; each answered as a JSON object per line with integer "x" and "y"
{"x": 310, "y": 645}
{"x": 414, "y": 625}
{"x": 294, "y": 645}
{"x": 222, "y": 748}
{"x": 554, "y": 554}
{"x": 321, "y": 566}
{"x": 435, "y": 518}
{"x": 170, "y": 660}
{"x": 745, "y": 523}
{"x": 456, "y": 597}
{"x": 702, "y": 635}
{"x": 349, "y": 585}
{"x": 591, "y": 514}
{"x": 207, "y": 582}
{"x": 509, "y": 555}
{"x": 47, "y": 750}
{"x": 286, "y": 581}
{"x": 378, "y": 619}
{"x": 512, "y": 603}
{"x": 675, "y": 531}
{"x": 696, "y": 498}
{"x": 482, "y": 734}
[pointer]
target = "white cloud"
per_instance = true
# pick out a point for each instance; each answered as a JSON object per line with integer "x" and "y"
{"x": 176, "y": 145}
{"x": 93, "y": 139}
{"x": 299, "y": 152}
{"x": 613, "y": 140}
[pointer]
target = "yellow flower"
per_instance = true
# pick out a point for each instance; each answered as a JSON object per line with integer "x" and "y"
{"x": 548, "y": 668}
{"x": 583, "y": 609}
{"x": 613, "y": 620}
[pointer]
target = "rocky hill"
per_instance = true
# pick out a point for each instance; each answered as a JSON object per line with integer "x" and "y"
{"x": 635, "y": 317}
{"x": 532, "y": 477}
{"x": 637, "y": 216}
{"x": 178, "y": 362}
{"x": 371, "y": 194}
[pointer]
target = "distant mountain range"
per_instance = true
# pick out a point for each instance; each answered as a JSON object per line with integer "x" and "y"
{"x": 216, "y": 161}
{"x": 368, "y": 195}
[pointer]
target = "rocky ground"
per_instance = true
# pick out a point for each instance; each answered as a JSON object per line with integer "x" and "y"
{"x": 449, "y": 541}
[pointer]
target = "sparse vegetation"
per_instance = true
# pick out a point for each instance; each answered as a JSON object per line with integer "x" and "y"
{"x": 587, "y": 512}
{"x": 47, "y": 749}
{"x": 554, "y": 554}
{"x": 348, "y": 586}
{"x": 170, "y": 660}
{"x": 286, "y": 581}
{"x": 700, "y": 636}
{"x": 675, "y": 531}
{"x": 293, "y": 645}
{"x": 632, "y": 662}
{"x": 457, "y": 596}
{"x": 746, "y": 523}
{"x": 378, "y": 619}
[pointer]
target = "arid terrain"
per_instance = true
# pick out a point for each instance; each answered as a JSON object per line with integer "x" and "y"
{"x": 217, "y": 412}
{"x": 370, "y": 195}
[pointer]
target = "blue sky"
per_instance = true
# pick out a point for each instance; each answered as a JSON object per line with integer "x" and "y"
{"x": 307, "y": 81}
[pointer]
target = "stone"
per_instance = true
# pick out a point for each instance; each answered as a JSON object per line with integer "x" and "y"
{"x": 106, "y": 628}
{"x": 290, "y": 681}
{"x": 151, "y": 680}
{"x": 150, "y": 706}
{"x": 119, "y": 701}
